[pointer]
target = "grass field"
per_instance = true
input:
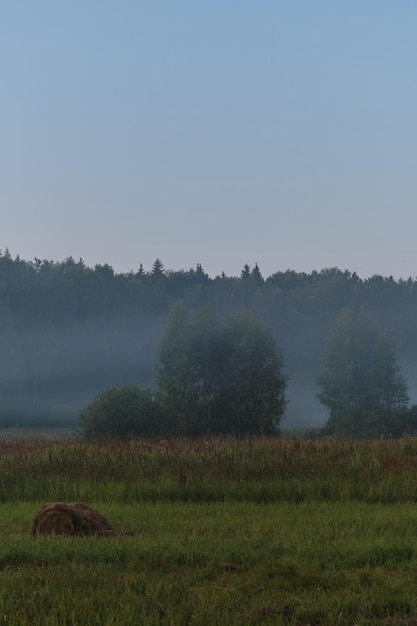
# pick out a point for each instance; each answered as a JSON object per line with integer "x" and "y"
{"x": 213, "y": 532}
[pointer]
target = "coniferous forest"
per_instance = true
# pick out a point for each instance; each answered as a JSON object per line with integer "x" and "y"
{"x": 68, "y": 331}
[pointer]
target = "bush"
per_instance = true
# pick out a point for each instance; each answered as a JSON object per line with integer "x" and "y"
{"x": 122, "y": 412}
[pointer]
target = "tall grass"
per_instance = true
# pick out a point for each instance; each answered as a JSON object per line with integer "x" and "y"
{"x": 252, "y": 470}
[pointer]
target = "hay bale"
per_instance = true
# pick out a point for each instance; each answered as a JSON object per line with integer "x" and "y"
{"x": 70, "y": 520}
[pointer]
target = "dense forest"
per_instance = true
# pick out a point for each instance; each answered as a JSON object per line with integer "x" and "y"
{"x": 68, "y": 330}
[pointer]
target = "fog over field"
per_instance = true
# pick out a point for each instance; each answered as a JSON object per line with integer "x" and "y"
{"x": 68, "y": 331}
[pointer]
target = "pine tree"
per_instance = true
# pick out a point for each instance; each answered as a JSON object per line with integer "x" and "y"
{"x": 256, "y": 275}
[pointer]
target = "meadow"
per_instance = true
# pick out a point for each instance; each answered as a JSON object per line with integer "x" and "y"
{"x": 217, "y": 531}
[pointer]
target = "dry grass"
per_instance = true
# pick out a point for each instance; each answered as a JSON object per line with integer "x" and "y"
{"x": 71, "y": 520}
{"x": 208, "y": 470}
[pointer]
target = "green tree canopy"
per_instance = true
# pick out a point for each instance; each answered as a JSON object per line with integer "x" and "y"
{"x": 221, "y": 378}
{"x": 361, "y": 383}
{"x": 175, "y": 364}
{"x": 253, "y": 390}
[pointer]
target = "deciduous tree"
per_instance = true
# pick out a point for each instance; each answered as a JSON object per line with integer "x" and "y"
{"x": 361, "y": 383}
{"x": 221, "y": 378}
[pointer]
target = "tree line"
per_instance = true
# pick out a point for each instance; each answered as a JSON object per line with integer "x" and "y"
{"x": 68, "y": 331}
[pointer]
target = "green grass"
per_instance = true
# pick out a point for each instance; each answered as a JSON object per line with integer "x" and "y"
{"x": 223, "y": 532}
{"x": 242, "y": 563}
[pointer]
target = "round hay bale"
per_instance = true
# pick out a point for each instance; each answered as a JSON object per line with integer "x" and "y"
{"x": 75, "y": 519}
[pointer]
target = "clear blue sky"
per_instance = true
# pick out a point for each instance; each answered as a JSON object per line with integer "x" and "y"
{"x": 223, "y": 132}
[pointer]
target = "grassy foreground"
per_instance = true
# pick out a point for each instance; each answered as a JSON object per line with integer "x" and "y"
{"x": 217, "y": 532}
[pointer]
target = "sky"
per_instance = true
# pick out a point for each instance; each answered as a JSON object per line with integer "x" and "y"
{"x": 226, "y": 132}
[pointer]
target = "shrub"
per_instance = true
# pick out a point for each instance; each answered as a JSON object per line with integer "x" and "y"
{"x": 122, "y": 412}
